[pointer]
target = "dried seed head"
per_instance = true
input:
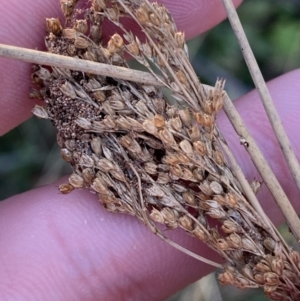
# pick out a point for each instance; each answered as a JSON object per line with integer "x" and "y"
{"x": 40, "y": 112}
{"x": 65, "y": 188}
{"x": 76, "y": 180}
{"x": 54, "y": 26}
{"x": 259, "y": 278}
{"x": 199, "y": 233}
{"x": 247, "y": 270}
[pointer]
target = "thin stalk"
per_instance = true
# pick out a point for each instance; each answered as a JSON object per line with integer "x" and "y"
{"x": 263, "y": 91}
{"x": 263, "y": 167}
{"x": 60, "y": 61}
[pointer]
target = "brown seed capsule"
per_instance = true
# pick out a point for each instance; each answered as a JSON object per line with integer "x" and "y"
{"x": 159, "y": 121}
{"x": 81, "y": 26}
{"x": 271, "y": 278}
{"x": 96, "y": 146}
{"x": 86, "y": 161}
{"x": 150, "y": 168}
{"x": 99, "y": 5}
{"x": 40, "y": 112}
{"x": 259, "y": 278}
{"x": 234, "y": 241}
{"x": 263, "y": 266}
{"x": 181, "y": 77}
{"x": 277, "y": 265}
{"x": 66, "y": 155}
{"x": 99, "y": 186}
{"x": 163, "y": 178}
{"x": 186, "y": 223}
{"x": 65, "y": 188}
{"x": 200, "y": 147}
{"x": 105, "y": 165}
{"x": 180, "y": 39}
{"x": 54, "y": 26}
{"x": 216, "y": 187}
{"x": 70, "y": 33}
{"x": 189, "y": 198}
{"x": 167, "y": 137}
{"x": 204, "y": 119}
{"x": 83, "y": 123}
{"x": 230, "y": 227}
{"x": 222, "y": 244}
{"x": 67, "y": 7}
{"x": 231, "y": 200}
{"x": 133, "y": 48}
{"x": 185, "y": 117}
{"x": 81, "y": 43}
{"x": 142, "y": 15}
{"x": 149, "y": 127}
{"x": 226, "y": 278}
{"x": 176, "y": 124}
{"x": 88, "y": 175}
{"x": 156, "y": 216}
{"x": 186, "y": 147}
{"x": 199, "y": 233}
{"x": 76, "y": 180}
{"x": 68, "y": 90}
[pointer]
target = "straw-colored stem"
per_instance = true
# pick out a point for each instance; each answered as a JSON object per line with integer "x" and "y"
{"x": 263, "y": 91}
{"x": 60, "y": 61}
{"x": 263, "y": 167}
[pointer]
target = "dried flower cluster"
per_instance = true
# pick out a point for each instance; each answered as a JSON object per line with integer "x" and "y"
{"x": 159, "y": 162}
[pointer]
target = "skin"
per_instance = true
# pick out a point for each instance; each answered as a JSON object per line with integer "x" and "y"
{"x": 67, "y": 247}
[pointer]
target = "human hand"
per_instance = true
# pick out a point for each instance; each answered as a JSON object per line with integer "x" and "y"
{"x": 67, "y": 247}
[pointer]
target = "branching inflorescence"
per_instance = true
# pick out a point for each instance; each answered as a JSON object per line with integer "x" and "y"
{"x": 142, "y": 155}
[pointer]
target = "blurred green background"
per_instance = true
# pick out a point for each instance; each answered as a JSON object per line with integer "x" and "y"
{"x": 29, "y": 156}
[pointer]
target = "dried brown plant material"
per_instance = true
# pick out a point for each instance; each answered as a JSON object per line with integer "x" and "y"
{"x": 141, "y": 155}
